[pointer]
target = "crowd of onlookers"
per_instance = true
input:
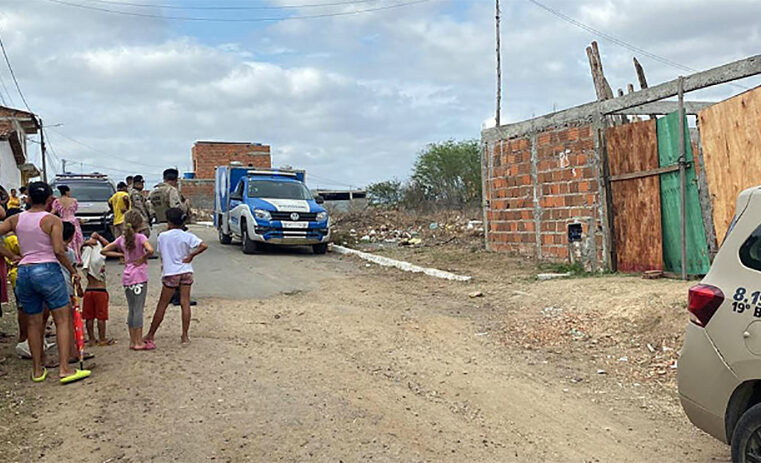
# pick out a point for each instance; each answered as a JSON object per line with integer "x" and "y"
{"x": 45, "y": 257}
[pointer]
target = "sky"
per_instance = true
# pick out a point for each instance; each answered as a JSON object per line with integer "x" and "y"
{"x": 353, "y": 96}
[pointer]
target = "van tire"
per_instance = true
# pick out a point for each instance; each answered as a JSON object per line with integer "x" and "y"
{"x": 747, "y": 435}
{"x": 249, "y": 246}
{"x": 224, "y": 238}
{"x": 321, "y": 248}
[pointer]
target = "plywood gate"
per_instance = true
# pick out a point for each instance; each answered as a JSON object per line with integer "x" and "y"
{"x": 633, "y": 148}
{"x": 731, "y": 135}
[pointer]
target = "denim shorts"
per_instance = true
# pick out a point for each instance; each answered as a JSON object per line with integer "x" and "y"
{"x": 39, "y": 284}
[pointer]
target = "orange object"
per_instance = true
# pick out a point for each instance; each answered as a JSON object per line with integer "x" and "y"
{"x": 79, "y": 331}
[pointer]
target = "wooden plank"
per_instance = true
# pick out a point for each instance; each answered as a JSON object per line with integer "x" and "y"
{"x": 644, "y": 173}
{"x": 730, "y": 133}
{"x": 727, "y": 73}
{"x": 698, "y": 261}
{"x": 633, "y": 149}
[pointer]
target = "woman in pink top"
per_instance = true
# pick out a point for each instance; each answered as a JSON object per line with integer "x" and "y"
{"x": 66, "y": 208}
{"x": 135, "y": 249}
{"x": 40, "y": 281}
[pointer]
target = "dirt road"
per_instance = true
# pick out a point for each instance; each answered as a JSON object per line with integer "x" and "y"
{"x": 325, "y": 359}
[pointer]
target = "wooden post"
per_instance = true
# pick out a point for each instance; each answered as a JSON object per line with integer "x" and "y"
{"x": 499, "y": 71}
{"x": 624, "y": 119}
{"x": 682, "y": 179}
{"x": 642, "y": 79}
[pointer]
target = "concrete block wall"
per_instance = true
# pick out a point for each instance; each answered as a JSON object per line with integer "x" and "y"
{"x": 207, "y": 155}
{"x": 538, "y": 184}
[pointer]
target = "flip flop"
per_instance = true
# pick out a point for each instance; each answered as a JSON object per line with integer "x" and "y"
{"x": 149, "y": 345}
{"x": 109, "y": 342}
{"x": 78, "y": 375}
{"x": 42, "y": 378}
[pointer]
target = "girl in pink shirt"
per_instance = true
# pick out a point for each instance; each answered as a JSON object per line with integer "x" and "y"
{"x": 135, "y": 249}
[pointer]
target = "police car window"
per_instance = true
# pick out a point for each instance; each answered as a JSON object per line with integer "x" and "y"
{"x": 750, "y": 251}
{"x": 239, "y": 189}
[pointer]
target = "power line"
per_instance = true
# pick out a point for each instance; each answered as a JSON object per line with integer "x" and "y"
{"x": 10, "y": 68}
{"x": 237, "y": 20}
{"x": 94, "y": 149}
{"x": 620, "y": 42}
{"x": 220, "y": 8}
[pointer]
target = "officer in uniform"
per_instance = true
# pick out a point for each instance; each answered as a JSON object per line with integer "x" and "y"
{"x": 141, "y": 204}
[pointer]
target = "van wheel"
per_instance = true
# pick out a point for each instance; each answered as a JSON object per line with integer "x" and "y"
{"x": 249, "y": 246}
{"x": 224, "y": 238}
{"x": 746, "y": 438}
{"x": 321, "y": 248}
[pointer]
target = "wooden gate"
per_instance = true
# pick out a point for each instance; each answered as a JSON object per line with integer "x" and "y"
{"x": 635, "y": 190}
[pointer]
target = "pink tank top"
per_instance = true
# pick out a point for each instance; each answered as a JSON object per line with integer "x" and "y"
{"x": 35, "y": 245}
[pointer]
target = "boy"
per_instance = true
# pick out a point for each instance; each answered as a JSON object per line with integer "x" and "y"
{"x": 177, "y": 248}
{"x": 95, "y": 303}
{"x": 119, "y": 204}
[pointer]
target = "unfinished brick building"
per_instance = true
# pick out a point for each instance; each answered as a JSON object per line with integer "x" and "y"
{"x": 594, "y": 186}
{"x": 207, "y": 155}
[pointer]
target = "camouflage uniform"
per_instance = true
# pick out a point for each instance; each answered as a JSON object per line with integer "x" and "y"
{"x": 164, "y": 197}
{"x": 141, "y": 204}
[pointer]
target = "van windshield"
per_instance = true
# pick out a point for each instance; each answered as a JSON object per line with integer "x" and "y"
{"x": 277, "y": 190}
{"x": 90, "y": 192}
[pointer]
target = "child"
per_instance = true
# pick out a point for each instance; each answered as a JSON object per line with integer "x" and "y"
{"x": 177, "y": 249}
{"x": 135, "y": 249}
{"x": 95, "y": 303}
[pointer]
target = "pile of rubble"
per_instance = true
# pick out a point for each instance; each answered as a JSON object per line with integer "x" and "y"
{"x": 403, "y": 228}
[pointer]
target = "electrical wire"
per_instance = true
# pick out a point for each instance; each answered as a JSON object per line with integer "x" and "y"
{"x": 13, "y": 74}
{"x": 220, "y": 8}
{"x": 236, "y": 20}
{"x": 96, "y": 150}
{"x": 620, "y": 42}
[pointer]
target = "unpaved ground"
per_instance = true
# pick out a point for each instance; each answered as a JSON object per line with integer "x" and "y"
{"x": 374, "y": 365}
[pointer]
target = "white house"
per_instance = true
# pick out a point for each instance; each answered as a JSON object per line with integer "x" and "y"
{"x": 15, "y": 125}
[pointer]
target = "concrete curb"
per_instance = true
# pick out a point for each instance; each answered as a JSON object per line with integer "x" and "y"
{"x": 401, "y": 265}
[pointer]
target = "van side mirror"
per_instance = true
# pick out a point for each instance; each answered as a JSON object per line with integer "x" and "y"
{"x": 319, "y": 199}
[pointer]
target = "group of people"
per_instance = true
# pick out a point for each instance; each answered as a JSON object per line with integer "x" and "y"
{"x": 45, "y": 251}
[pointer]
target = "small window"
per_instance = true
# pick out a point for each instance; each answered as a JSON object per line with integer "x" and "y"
{"x": 750, "y": 251}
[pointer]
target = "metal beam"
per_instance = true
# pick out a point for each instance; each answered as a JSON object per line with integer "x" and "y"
{"x": 727, "y": 73}
{"x": 666, "y": 107}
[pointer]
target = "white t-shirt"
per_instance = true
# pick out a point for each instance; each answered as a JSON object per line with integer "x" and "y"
{"x": 174, "y": 246}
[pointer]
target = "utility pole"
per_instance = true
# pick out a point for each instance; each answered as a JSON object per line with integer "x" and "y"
{"x": 499, "y": 70}
{"x": 42, "y": 149}
{"x": 63, "y": 165}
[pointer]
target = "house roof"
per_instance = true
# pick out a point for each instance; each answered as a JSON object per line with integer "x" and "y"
{"x": 28, "y": 121}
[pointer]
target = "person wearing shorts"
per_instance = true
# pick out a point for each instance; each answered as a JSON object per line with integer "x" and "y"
{"x": 40, "y": 281}
{"x": 135, "y": 249}
{"x": 177, "y": 248}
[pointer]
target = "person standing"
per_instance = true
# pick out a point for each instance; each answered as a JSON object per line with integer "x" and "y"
{"x": 163, "y": 197}
{"x": 166, "y": 196}
{"x": 119, "y": 203}
{"x": 129, "y": 181}
{"x": 66, "y": 208}
{"x": 140, "y": 204}
{"x": 14, "y": 203}
{"x": 23, "y": 198}
{"x": 40, "y": 280}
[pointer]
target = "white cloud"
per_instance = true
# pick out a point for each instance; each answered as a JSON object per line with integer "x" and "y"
{"x": 352, "y": 99}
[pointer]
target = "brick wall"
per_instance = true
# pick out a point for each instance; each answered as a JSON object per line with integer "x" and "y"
{"x": 200, "y": 192}
{"x": 208, "y": 155}
{"x": 536, "y": 186}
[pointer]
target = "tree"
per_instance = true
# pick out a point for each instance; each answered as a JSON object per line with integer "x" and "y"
{"x": 450, "y": 172}
{"x": 388, "y": 193}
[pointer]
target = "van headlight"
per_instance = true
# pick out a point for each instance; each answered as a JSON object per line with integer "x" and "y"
{"x": 322, "y": 216}
{"x": 261, "y": 214}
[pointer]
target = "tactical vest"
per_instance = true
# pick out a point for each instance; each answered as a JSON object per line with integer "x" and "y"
{"x": 159, "y": 198}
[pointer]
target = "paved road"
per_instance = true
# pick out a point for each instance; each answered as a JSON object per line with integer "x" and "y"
{"x": 225, "y": 272}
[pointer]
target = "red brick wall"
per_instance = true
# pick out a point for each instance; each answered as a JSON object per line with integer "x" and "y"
{"x": 200, "y": 192}
{"x": 208, "y": 155}
{"x": 536, "y": 186}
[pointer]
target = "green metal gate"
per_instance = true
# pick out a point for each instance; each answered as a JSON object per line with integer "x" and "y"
{"x": 698, "y": 261}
